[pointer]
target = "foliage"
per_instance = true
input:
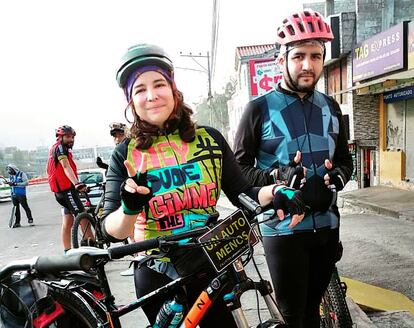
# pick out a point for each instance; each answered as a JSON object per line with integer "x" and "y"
{"x": 214, "y": 111}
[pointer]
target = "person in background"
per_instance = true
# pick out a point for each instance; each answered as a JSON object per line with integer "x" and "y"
{"x": 63, "y": 181}
{"x": 118, "y": 132}
{"x": 295, "y": 135}
{"x": 164, "y": 139}
{"x": 18, "y": 181}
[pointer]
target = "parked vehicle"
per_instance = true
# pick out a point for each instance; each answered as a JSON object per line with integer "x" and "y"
{"x": 91, "y": 177}
{"x": 5, "y": 189}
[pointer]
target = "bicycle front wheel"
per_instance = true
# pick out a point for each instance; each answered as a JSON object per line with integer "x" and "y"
{"x": 12, "y": 216}
{"x": 334, "y": 310}
{"x": 84, "y": 231}
{"x": 77, "y": 312}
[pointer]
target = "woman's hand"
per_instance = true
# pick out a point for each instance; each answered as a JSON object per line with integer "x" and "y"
{"x": 135, "y": 192}
{"x": 288, "y": 200}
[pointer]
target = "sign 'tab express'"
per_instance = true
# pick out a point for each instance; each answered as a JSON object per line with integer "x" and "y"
{"x": 381, "y": 54}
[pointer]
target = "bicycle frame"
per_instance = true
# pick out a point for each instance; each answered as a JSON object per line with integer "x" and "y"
{"x": 235, "y": 273}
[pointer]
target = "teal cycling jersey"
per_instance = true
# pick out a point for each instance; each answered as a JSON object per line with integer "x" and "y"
{"x": 273, "y": 128}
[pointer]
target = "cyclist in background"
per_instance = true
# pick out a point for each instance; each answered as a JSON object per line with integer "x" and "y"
{"x": 165, "y": 141}
{"x": 63, "y": 181}
{"x": 18, "y": 181}
{"x": 280, "y": 134}
{"x": 118, "y": 131}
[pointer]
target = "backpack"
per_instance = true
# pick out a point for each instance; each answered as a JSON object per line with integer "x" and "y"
{"x": 19, "y": 298}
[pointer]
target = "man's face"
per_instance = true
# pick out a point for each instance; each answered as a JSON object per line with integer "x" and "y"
{"x": 118, "y": 137}
{"x": 304, "y": 66}
{"x": 68, "y": 140}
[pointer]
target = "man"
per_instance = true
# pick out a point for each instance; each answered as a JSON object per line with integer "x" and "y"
{"x": 63, "y": 180}
{"x": 292, "y": 132}
{"x": 18, "y": 181}
{"x": 118, "y": 132}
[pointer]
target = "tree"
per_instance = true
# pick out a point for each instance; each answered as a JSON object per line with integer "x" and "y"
{"x": 214, "y": 112}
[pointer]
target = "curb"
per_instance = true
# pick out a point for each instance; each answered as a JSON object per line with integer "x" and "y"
{"x": 361, "y": 205}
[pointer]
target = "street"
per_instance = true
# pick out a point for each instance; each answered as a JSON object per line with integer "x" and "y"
{"x": 377, "y": 250}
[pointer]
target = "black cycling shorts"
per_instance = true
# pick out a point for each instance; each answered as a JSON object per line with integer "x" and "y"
{"x": 70, "y": 200}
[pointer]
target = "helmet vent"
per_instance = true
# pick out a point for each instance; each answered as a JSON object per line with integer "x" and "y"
{"x": 290, "y": 29}
{"x": 311, "y": 28}
{"x": 301, "y": 28}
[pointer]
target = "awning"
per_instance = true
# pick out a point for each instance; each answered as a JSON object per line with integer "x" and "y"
{"x": 386, "y": 83}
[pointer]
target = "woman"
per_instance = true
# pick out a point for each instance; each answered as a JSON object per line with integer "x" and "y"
{"x": 182, "y": 169}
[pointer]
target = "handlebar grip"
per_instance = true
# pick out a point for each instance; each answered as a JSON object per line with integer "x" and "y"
{"x": 50, "y": 264}
{"x": 118, "y": 252}
{"x": 250, "y": 204}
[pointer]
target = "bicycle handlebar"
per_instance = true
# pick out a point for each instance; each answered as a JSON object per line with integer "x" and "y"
{"x": 49, "y": 264}
{"x": 118, "y": 252}
{"x": 83, "y": 258}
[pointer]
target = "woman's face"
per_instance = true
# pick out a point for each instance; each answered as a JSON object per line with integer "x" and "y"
{"x": 153, "y": 98}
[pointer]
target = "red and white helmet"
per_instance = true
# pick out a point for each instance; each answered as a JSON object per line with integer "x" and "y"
{"x": 64, "y": 130}
{"x": 302, "y": 26}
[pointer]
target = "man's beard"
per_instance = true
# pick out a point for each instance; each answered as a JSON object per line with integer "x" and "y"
{"x": 68, "y": 144}
{"x": 304, "y": 88}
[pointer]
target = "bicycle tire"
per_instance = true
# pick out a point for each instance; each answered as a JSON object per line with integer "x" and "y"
{"x": 12, "y": 219}
{"x": 334, "y": 310}
{"x": 76, "y": 311}
{"x": 78, "y": 234}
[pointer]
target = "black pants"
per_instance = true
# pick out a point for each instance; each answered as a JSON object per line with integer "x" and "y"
{"x": 70, "y": 200}
{"x": 301, "y": 266}
{"x": 147, "y": 280}
{"x": 21, "y": 199}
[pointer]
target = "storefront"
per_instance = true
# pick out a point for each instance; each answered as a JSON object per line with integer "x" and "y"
{"x": 383, "y": 66}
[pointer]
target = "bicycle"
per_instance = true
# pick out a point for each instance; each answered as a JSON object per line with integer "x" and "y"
{"x": 12, "y": 219}
{"x": 30, "y": 298}
{"x": 231, "y": 273}
{"x": 89, "y": 221}
{"x": 334, "y": 309}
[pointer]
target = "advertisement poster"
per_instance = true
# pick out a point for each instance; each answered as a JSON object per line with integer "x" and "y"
{"x": 264, "y": 75}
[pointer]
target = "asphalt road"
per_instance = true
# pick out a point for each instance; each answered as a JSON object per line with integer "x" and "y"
{"x": 378, "y": 250}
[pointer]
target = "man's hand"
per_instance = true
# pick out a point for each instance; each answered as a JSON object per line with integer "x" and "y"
{"x": 335, "y": 179}
{"x": 135, "y": 192}
{"x": 11, "y": 184}
{"x": 293, "y": 175}
{"x": 81, "y": 187}
{"x": 288, "y": 200}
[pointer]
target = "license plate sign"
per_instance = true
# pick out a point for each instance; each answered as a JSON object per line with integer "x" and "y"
{"x": 231, "y": 238}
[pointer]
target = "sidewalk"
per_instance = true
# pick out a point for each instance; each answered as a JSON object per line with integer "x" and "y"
{"x": 383, "y": 200}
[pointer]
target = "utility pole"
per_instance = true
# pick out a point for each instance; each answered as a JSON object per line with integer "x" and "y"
{"x": 205, "y": 70}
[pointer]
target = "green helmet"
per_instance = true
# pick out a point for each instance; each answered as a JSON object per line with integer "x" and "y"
{"x": 142, "y": 55}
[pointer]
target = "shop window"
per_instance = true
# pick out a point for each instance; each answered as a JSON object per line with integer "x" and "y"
{"x": 395, "y": 126}
{"x": 409, "y": 141}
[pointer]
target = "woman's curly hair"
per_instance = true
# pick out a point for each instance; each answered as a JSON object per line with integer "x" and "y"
{"x": 180, "y": 118}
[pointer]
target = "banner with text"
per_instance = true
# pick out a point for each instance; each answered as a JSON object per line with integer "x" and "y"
{"x": 264, "y": 75}
{"x": 381, "y": 54}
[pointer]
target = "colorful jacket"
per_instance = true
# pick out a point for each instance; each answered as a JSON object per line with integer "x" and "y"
{"x": 186, "y": 180}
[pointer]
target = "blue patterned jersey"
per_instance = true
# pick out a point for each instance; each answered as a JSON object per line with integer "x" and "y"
{"x": 275, "y": 126}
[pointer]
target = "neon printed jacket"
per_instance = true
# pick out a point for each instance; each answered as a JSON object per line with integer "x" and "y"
{"x": 186, "y": 180}
{"x": 276, "y": 125}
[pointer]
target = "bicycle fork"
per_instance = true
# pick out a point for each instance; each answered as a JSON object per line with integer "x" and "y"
{"x": 244, "y": 284}
{"x": 232, "y": 299}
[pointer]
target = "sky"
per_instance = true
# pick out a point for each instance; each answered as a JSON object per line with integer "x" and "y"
{"x": 58, "y": 58}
